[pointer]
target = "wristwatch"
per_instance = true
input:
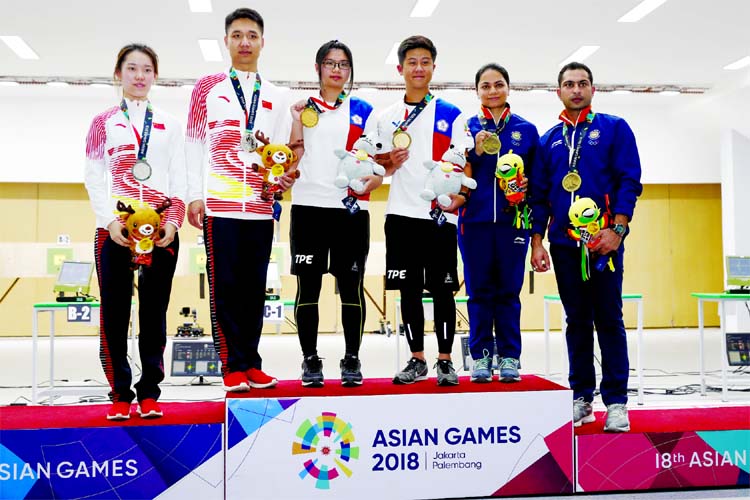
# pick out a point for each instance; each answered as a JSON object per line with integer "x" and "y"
{"x": 619, "y": 230}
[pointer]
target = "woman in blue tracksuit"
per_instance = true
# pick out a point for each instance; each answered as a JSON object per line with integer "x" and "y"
{"x": 493, "y": 228}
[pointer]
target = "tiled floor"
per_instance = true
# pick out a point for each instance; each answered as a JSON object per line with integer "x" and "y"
{"x": 670, "y": 364}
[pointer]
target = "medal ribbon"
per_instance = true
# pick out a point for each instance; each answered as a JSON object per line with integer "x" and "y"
{"x": 575, "y": 154}
{"x": 486, "y": 118}
{"x": 414, "y": 113}
{"x": 145, "y": 135}
{"x": 320, "y": 106}
{"x": 249, "y": 115}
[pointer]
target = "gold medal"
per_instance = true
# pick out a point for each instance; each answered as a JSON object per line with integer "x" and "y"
{"x": 309, "y": 117}
{"x": 491, "y": 145}
{"x": 592, "y": 228}
{"x": 571, "y": 182}
{"x": 503, "y": 184}
{"x": 401, "y": 139}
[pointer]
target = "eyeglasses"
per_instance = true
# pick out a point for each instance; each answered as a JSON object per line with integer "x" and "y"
{"x": 330, "y": 65}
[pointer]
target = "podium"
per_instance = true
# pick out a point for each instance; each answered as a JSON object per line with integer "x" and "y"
{"x": 381, "y": 440}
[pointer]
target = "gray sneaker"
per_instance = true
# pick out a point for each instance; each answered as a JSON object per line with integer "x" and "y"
{"x": 583, "y": 413}
{"x": 509, "y": 370}
{"x": 482, "y": 372}
{"x": 446, "y": 375}
{"x": 416, "y": 370}
{"x": 617, "y": 418}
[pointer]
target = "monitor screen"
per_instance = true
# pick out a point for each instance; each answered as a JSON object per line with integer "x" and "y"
{"x": 74, "y": 277}
{"x": 738, "y": 271}
{"x": 195, "y": 358}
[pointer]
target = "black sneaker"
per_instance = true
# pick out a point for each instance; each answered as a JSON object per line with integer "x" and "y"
{"x": 351, "y": 371}
{"x": 446, "y": 374}
{"x": 312, "y": 371}
{"x": 415, "y": 370}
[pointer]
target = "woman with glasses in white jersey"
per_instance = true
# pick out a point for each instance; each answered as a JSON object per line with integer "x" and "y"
{"x": 330, "y": 226}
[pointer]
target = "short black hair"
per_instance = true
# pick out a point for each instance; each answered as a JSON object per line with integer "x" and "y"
{"x": 328, "y": 47}
{"x": 243, "y": 13}
{"x": 574, "y": 65}
{"x": 490, "y": 66}
{"x": 416, "y": 42}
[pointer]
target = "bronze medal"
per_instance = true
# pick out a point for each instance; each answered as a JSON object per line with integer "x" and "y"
{"x": 309, "y": 117}
{"x": 592, "y": 227}
{"x": 571, "y": 182}
{"x": 401, "y": 139}
{"x": 492, "y": 144}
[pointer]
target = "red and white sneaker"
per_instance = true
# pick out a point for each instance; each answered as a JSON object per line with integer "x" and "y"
{"x": 119, "y": 411}
{"x": 259, "y": 380}
{"x": 149, "y": 408}
{"x": 236, "y": 382}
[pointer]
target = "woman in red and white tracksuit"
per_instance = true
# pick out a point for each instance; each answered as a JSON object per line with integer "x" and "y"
{"x": 135, "y": 139}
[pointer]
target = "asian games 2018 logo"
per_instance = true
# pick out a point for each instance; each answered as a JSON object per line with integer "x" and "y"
{"x": 327, "y": 444}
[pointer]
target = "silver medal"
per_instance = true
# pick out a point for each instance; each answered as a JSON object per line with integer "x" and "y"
{"x": 141, "y": 171}
{"x": 249, "y": 142}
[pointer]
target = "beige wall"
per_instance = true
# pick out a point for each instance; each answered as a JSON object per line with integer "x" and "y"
{"x": 674, "y": 249}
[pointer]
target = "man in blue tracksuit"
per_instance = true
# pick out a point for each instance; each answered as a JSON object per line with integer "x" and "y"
{"x": 493, "y": 230}
{"x": 588, "y": 155}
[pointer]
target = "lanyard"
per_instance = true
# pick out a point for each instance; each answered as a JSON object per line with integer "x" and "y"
{"x": 574, "y": 155}
{"x": 415, "y": 112}
{"x": 249, "y": 116}
{"x": 486, "y": 118}
{"x": 146, "y": 133}
{"x": 321, "y": 106}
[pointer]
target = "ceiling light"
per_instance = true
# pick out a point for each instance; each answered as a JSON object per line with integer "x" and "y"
{"x": 580, "y": 55}
{"x": 100, "y": 85}
{"x": 200, "y": 6}
{"x": 424, "y": 8}
{"x": 211, "y": 51}
{"x": 20, "y": 47}
{"x": 58, "y": 84}
{"x": 9, "y": 84}
{"x": 622, "y": 91}
{"x": 739, "y": 64}
{"x": 393, "y": 55}
{"x": 640, "y": 11}
{"x": 669, "y": 92}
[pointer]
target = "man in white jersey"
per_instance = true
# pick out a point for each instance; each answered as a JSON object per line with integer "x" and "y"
{"x": 228, "y": 112}
{"x": 420, "y": 236}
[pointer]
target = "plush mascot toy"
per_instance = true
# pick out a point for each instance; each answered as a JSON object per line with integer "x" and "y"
{"x": 355, "y": 164}
{"x": 510, "y": 176}
{"x": 277, "y": 158}
{"x": 142, "y": 229}
{"x": 446, "y": 177}
{"x": 587, "y": 220}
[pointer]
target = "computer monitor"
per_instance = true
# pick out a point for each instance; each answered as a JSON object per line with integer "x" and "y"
{"x": 74, "y": 277}
{"x": 738, "y": 271}
{"x": 738, "y": 349}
